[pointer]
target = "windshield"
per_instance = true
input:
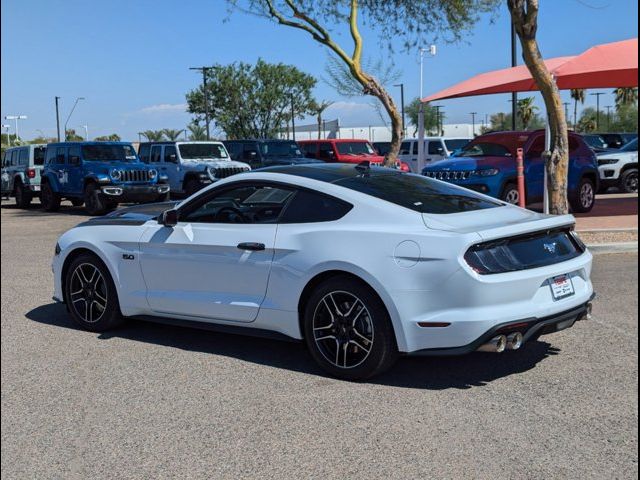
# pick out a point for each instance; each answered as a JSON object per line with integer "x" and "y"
{"x": 195, "y": 151}
{"x": 109, "y": 153}
{"x": 484, "y": 150}
{"x": 454, "y": 145}
{"x": 595, "y": 141}
{"x": 354, "y": 148}
{"x": 421, "y": 194}
{"x": 280, "y": 149}
{"x": 632, "y": 146}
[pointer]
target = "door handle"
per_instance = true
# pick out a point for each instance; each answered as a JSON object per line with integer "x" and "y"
{"x": 253, "y": 246}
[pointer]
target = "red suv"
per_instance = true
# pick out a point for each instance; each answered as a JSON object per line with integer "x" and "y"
{"x": 340, "y": 150}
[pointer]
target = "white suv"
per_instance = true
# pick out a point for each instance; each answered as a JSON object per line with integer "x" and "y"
{"x": 435, "y": 149}
{"x": 620, "y": 168}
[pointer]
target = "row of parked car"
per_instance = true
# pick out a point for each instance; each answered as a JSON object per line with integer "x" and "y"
{"x": 101, "y": 175}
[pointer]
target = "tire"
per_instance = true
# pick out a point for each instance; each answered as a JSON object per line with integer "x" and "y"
{"x": 510, "y": 194}
{"x": 360, "y": 321}
{"x": 629, "y": 181}
{"x": 77, "y": 202}
{"x": 165, "y": 197}
{"x": 23, "y": 196}
{"x": 94, "y": 202}
{"x": 49, "y": 199}
{"x": 91, "y": 295}
{"x": 583, "y": 199}
{"x": 191, "y": 187}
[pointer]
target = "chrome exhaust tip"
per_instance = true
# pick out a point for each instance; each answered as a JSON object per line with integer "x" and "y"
{"x": 588, "y": 315}
{"x": 495, "y": 345}
{"x": 514, "y": 341}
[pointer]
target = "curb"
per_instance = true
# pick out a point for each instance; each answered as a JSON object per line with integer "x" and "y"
{"x": 622, "y": 247}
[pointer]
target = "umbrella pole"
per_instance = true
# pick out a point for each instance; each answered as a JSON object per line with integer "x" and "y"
{"x": 421, "y": 162}
{"x": 547, "y": 147}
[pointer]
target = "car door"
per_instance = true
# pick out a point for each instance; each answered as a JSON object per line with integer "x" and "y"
{"x": 74, "y": 171}
{"x": 214, "y": 264}
{"x": 170, "y": 166}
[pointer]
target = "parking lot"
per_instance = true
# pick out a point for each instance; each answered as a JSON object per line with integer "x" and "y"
{"x": 154, "y": 401}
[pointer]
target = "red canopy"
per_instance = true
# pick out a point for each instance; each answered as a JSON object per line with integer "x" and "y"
{"x": 610, "y": 65}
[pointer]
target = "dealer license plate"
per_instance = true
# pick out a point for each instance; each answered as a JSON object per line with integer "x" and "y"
{"x": 561, "y": 287}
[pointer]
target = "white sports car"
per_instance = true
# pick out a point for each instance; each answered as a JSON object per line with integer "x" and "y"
{"x": 361, "y": 263}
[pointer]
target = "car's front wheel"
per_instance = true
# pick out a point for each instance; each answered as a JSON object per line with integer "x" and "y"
{"x": 584, "y": 197}
{"x": 191, "y": 187}
{"x": 629, "y": 181}
{"x": 348, "y": 330}
{"x": 510, "y": 194}
{"x": 90, "y": 294}
{"x": 94, "y": 202}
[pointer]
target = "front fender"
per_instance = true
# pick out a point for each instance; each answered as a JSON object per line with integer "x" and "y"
{"x": 52, "y": 179}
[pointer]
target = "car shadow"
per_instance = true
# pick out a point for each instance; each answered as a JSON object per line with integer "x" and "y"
{"x": 429, "y": 373}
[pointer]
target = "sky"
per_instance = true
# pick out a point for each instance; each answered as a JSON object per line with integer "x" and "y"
{"x": 130, "y": 59}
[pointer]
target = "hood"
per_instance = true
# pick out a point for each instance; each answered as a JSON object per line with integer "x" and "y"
{"x": 106, "y": 167}
{"x": 216, "y": 163}
{"x": 616, "y": 154}
{"x": 134, "y": 215}
{"x": 496, "y": 222}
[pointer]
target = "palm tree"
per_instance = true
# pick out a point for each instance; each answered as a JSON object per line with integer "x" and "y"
{"x": 578, "y": 95}
{"x": 197, "y": 131}
{"x": 171, "y": 134}
{"x": 153, "y": 135}
{"x": 625, "y": 96}
{"x": 318, "y": 109}
{"x": 526, "y": 111}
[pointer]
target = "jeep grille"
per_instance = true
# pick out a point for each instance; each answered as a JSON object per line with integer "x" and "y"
{"x": 228, "y": 171}
{"x": 135, "y": 176}
{"x": 449, "y": 174}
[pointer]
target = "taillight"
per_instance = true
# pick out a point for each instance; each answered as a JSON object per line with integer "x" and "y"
{"x": 404, "y": 167}
{"x": 31, "y": 172}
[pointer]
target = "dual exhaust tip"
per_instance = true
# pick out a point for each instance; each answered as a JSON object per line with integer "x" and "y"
{"x": 500, "y": 343}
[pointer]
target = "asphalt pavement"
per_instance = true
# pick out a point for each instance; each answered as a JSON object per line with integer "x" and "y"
{"x": 155, "y": 401}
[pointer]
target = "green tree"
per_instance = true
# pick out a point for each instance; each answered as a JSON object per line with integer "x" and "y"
{"x": 254, "y": 101}
{"x": 499, "y": 122}
{"x": 171, "y": 134}
{"x": 9, "y": 139}
{"x": 524, "y": 18}
{"x": 71, "y": 136}
{"x": 625, "y": 97}
{"x": 587, "y": 122}
{"x": 578, "y": 95}
{"x": 197, "y": 132}
{"x": 114, "y": 137}
{"x": 432, "y": 122}
{"x": 410, "y": 20}
{"x": 318, "y": 108}
{"x": 625, "y": 119}
{"x": 153, "y": 135}
{"x": 526, "y": 111}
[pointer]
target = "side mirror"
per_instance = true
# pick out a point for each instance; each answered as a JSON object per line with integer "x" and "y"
{"x": 169, "y": 218}
{"x": 173, "y": 158}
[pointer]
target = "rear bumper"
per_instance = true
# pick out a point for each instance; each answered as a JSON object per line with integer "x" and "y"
{"x": 529, "y": 327}
{"x": 134, "y": 193}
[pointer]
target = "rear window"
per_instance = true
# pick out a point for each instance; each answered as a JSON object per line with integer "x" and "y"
{"x": 418, "y": 193}
{"x": 38, "y": 155}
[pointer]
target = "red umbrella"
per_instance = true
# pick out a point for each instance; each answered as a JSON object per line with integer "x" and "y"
{"x": 610, "y": 65}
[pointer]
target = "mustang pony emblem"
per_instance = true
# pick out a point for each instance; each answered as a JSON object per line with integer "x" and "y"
{"x": 550, "y": 247}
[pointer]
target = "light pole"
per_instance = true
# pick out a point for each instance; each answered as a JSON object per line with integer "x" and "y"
{"x": 473, "y": 123}
{"x": 15, "y": 118}
{"x": 438, "y": 119}
{"x": 597, "y": 95}
{"x": 432, "y": 51}
{"x": 70, "y": 113}
{"x": 293, "y": 120}
{"x": 58, "y": 118}
{"x": 86, "y": 132}
{"x": 7, "y": 127}
{"x": 514, "y": 63}
{"x": 609, "y": 107}
{"x": 404, "y": 128}
{"x": 205, "y": 71}
{"x": 566, "y": 110}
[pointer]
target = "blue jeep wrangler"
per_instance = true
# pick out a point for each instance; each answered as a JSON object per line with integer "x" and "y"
{"x": 98, "y": 174}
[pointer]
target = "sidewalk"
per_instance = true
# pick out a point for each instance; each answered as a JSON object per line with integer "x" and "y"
{"x": 612, "y": 225}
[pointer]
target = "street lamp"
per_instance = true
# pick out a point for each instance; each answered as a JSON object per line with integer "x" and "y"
{"x": 597, "y": 95}
{"x": 70, "y": 113}
{"x": 473, "y": 123}
{"x": 609, "y": 107}
{"x": 404, "y": 128}
{"x": 15, "y": 118}
{"x": 86, "y": 132}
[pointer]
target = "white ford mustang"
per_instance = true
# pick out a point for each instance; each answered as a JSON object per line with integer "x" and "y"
{"x": 361, "y": 263}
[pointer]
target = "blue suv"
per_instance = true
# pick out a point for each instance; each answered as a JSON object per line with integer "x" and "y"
{"x": 98, "y": 174}
{"x": 488, "y": 165}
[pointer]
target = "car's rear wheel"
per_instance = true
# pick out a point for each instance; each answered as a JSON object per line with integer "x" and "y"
{"x": 510, "y": 194}
{"x": 23, "y": 196}
{"x": 347, "y": 329}
{"x": 90, "y": 294}
{"x": 49, "y": 199}
{"x": 94, "y": 202}
{"x": 584, "y": 197}
{"x": 629, "y": 181}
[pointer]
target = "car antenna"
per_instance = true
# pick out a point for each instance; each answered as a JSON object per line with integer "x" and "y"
{"x": 363, "y": 166}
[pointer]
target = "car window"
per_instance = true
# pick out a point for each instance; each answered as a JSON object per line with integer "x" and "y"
{"x": 455, "y": 144}
{"x": 435, "y": 148}
{"x": 38, "y": 155}
{"x": 200, "y": 151}
{"x": 61, "y": 153}
{"x": 4, "y": 159}
{"x": 247, "y": 204}
{"x": 418, "y": 193}
{"x": 537, "y": 147}
{"x": 309, "y": 150}
{"x": 109, "y": 153}
{"x": 170, "y": 154}
{"x": 354, "y": 148}
{"x": 250, "y": 152}
{"x": 485, "y": 149}
{"x": 74, "y": 154}
{"x": 632, "y": 146}
{"x": 156, "y": 154}
{"x": 143, "y": 153}
{"x": 325, "y": 151}
{"x": 50, "y": 155}
{"x": 405, "y": 148}
{"x": 24, "y": 157}
{"x": 312, "y": 207}
{"x": 574, "y": 144}
{"x": 14, "y": 157}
